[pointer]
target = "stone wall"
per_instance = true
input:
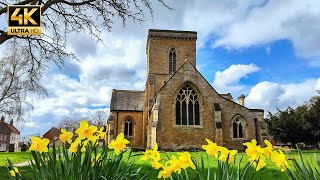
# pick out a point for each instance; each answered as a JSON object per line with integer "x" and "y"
{"x": 172, "y": 136}
{"x": 136, "y": 116}
{"x": 159, "y": 44}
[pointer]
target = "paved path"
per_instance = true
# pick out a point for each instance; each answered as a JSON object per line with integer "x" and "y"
{"x": 22, "y": 164}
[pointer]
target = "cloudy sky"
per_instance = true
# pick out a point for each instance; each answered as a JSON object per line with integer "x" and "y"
{"x": 267, "y": 50}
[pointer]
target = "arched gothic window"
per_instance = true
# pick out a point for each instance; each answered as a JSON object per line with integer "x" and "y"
{"x": 128, "y": 128}
{"x": 172, "y": 61}
{"x": 237, "y": 129}
{"x": 187, "y": 107}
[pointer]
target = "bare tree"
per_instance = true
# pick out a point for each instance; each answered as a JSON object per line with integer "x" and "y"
{"x": 69, "y": 124}
{"x": 62, "y": 17}
{"x": 99, "y": 118}
{"x": 16, "y": 85}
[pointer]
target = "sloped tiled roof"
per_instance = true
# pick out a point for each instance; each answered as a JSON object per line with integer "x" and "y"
{"x": 13, "y": 129}
{"x": 52, "y": 133}
{"x": 127, "y": 100}
{"x": 228, "y": 96}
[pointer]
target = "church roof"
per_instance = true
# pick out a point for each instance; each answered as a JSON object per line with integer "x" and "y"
{"x": 127, "y": 100}
{"x": 228, "y": 96}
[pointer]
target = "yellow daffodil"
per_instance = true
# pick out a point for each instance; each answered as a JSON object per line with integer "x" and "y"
{"x": 66, "y": 136}
{"x": 101, "y": 134}
{"x": 119, "y": 144}
{"x": 151, "y": 154}
{"x": 73, "y": 147}
{"x": 146, "y": 155}
{"x": 267, "y": 150}
{"x": 261, "y": 163}
{"x": 175, "y": 164}
{"x": 211, "y": 148}
{"x": 14, "y": 171}
{"x": 156, "y": 165}
{"x": 227, "y": 154}
{"x": 93, "y": 139}
{"x": 185, "y": 160}
{"x": 86, "y": 131}
{"x": 76, "y": 144}
{"x": 39, "y": 145}
{"x": 253, "y": 151}
{"x": 165, "y": 172}
{"x": 280, "y": 159}
{"x": 155, "y": 155}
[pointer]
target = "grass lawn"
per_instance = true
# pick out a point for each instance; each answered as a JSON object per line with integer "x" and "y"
{"x": 15, "y": 157}
{"x": 270, "y": 172}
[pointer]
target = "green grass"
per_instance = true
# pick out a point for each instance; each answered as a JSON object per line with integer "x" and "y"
{"x": 270, "y": 172}
{"x": 15, "y": 157}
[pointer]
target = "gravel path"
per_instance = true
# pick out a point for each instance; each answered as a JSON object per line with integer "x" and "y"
{"x": 22, "y": 164}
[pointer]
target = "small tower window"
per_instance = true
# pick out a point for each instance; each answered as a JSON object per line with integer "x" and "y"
{"x": 128, "y": 128}
{"x": 172, "y": 61}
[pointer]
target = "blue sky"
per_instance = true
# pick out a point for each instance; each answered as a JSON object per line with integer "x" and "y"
{"x": 277, "y": 61}
{"x": 267, "y": 50}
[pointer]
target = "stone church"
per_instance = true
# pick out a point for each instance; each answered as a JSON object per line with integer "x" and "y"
{"x": 178, "y": 107}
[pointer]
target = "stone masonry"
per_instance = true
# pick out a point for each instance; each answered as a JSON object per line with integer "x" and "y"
{"x": 153, "y": 110}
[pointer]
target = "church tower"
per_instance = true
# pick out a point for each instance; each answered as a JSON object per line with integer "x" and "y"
{"x": 167, "y": 50}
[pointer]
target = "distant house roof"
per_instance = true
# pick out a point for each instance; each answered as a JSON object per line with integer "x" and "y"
{"x": 13, "y": 129}
{"x": 9, "y": 126}
{"x": 52, "y": 134}
{"x": 127, "y": 100}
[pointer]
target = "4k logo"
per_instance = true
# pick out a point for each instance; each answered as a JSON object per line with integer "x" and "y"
{"x": 24, "y": 20}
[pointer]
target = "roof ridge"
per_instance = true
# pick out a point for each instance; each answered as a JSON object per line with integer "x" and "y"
{"x": 127, "y": 90}
{"x": 10, "y": 126}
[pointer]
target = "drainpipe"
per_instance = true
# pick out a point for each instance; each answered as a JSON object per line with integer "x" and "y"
{"x": 117, "y": 123}
{"x": 256, "y": 129}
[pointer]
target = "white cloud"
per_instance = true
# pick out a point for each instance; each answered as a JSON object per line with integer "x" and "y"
{"x": 241, "y": 24}
{"x": 86, "y": 87}
{"x": 31, "y": 125}
{"x": 227, "y": 80}
{"x": 272, "y": 95}
{"x": 294, "y": 20}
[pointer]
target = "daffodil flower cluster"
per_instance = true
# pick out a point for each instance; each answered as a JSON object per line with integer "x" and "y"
{"x": 258, "y": 155}
{"x": 85, "y": 134}
{"x": 222, "y": 153}
{"x": 173, "y": 165}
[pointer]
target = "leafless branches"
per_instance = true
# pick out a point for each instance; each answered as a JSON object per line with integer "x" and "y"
{"x": 61, "y": 17}
{"x": 16, "y": 83}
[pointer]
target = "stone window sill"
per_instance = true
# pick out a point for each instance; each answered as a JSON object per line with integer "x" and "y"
{"x": 188, "y": 126}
